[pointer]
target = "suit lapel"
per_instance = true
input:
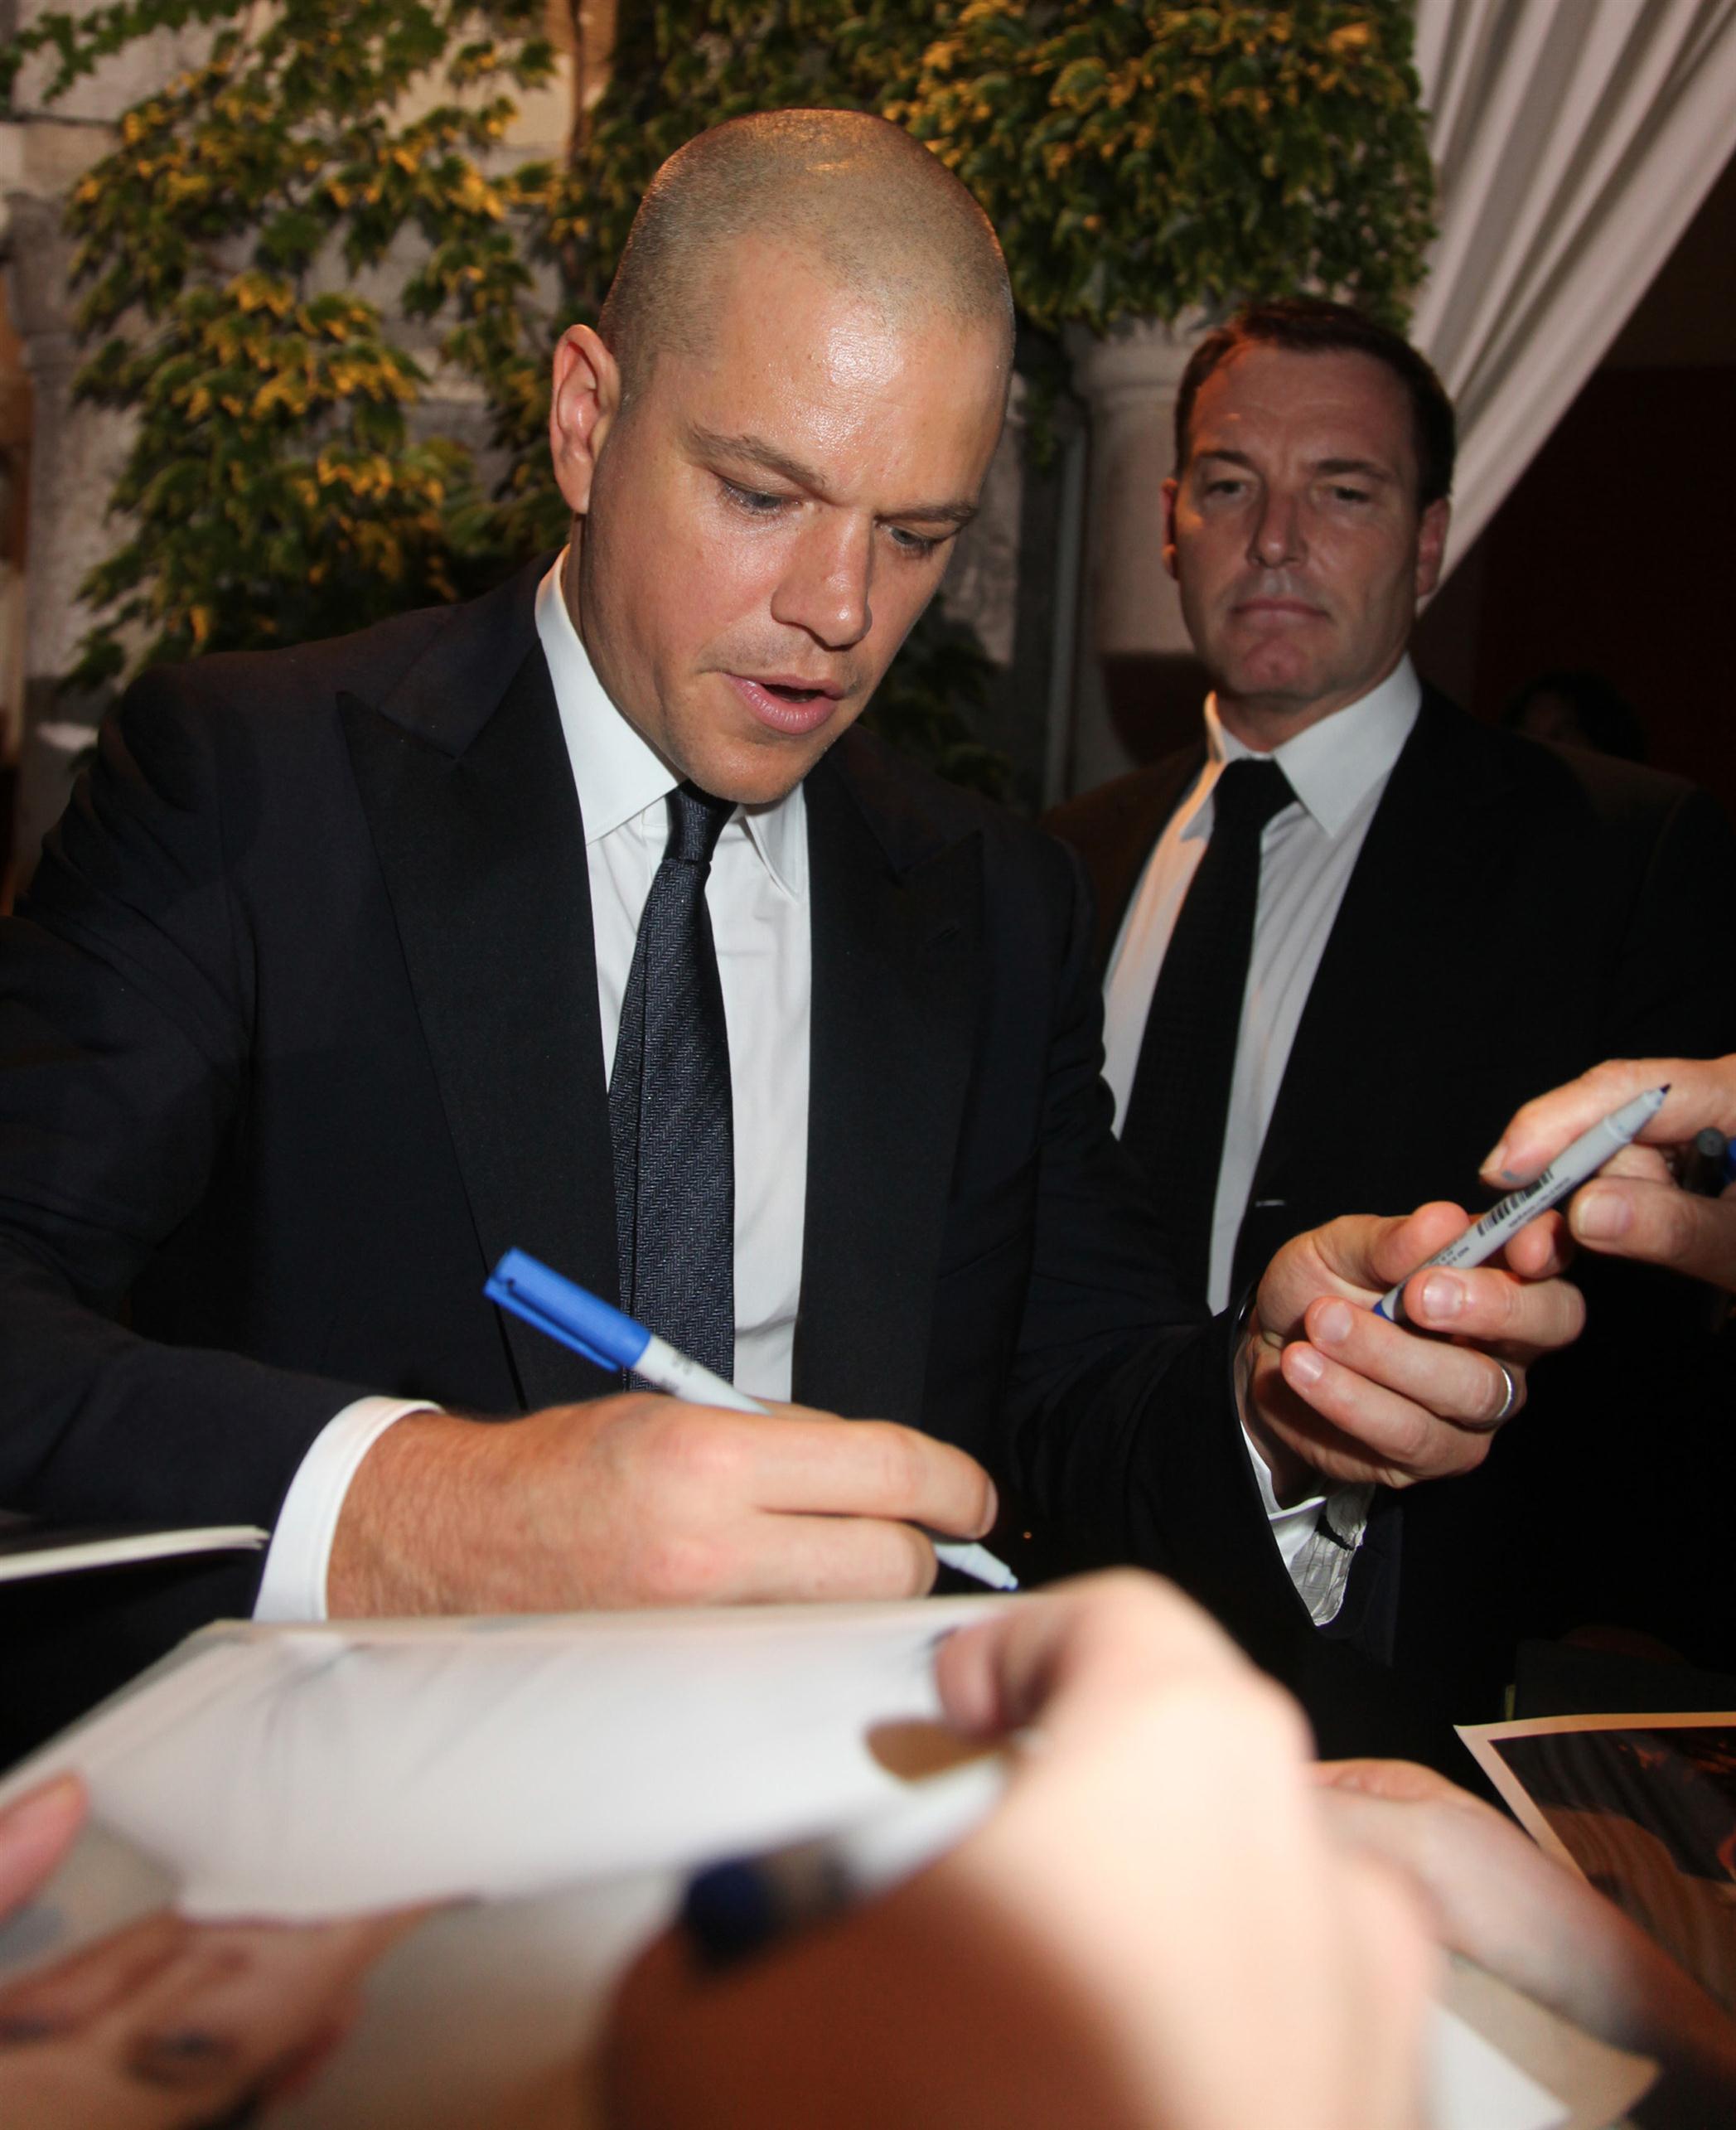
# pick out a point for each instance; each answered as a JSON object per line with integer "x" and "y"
{"x": 896, "y": 977}
{"x": 1128, "y": 819}
{"x": 477, "y": 828}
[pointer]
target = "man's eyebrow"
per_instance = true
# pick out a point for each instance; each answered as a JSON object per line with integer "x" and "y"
{"x": 759, "y": 451}
{"x": 1369, "y": 469}
{"x": 756, "y": 451}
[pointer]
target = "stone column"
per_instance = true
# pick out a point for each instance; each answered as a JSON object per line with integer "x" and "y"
{"x": 1128, "y": 381}
{"x": 982, "y": 582}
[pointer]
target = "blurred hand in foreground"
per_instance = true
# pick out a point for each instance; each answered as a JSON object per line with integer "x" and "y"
{"x": 166, "y": 2023}
{"x": 1635, "y": 1207}
{"x": 1151, "y": 1929}
{"x": 1498, "y": 1899}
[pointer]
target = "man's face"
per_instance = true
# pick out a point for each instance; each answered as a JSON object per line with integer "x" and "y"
{"x": 765, "y": 520}
{"x": 1294, "y": 534}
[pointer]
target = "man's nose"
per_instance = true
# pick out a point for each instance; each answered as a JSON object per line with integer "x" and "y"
{"x": 1277, "y": 533}
{"x": 826, "y": 587}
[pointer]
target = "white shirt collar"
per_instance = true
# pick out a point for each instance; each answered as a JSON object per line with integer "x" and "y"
{"x": 618, "y": 771}
{"x": 1333, "y": 765}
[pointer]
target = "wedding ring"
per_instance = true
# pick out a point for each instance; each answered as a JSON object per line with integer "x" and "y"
{"x": 1510, "y": 1400}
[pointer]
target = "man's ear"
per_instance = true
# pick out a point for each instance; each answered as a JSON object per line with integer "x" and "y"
{"x": 583, "y": 408}
{"x": 1172, "y": 489}
{"x": 1431, "y": 544}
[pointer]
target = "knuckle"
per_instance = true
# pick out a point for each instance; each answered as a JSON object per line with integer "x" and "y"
{"x": 902, "y": 1458}
{"x": 1681, "y": 1216}
{"x": 693, "y": 1449}
{"x": 1413, "y": 1440}
{"x": 921, "y": 1566}
{"x": 676, "y": 1567}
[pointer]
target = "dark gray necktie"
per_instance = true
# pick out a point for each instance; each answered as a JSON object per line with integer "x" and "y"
{"x": 1180, "y": 1098}
{"x": 670, "y": 1111}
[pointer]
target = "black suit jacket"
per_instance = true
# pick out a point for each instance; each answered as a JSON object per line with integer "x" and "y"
{"x": 1517, "y": 913}
{"x": 299, "y": 1031}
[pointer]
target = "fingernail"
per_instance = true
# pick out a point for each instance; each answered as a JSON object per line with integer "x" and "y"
{"x": 1304, "y": 1363}
{"x": 1599, "y": 1216}
{"x": 1496, "y": 1158}
{"x": 1331, "y": 1325}
{"x": 1443, "y": 1295}
{"x": 49, "y": 1806}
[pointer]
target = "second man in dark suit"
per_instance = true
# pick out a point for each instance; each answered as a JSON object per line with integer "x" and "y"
{"x": 1353, "y": 929}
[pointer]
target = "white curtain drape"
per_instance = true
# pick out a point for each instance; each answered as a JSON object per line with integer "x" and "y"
{"x": 1574, "y": 140}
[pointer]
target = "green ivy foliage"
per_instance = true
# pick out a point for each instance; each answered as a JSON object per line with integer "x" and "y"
{"x": 277, "y": 488}
{"x": 1142, "y": 160}
{"x": 1135, "y": 158}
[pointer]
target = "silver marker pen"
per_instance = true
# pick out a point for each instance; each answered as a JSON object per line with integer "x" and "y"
{"x": 1575, "y": 1165}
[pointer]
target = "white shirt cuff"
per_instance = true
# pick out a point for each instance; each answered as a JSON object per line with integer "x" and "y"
{"x": 1317, "y": 1538}
{"x": 293, "y": 1586}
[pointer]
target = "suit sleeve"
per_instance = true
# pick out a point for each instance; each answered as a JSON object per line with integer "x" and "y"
{"x": 1122, "y": 1429}
{"x": 125, "y": 1002}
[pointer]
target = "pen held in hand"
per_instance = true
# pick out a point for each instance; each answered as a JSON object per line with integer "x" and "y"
{"x": 1575, "y": 1164}
{"x": 609, "y": 1339}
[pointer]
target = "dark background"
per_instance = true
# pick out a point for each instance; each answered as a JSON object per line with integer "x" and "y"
{"x": 1617, "y": 550}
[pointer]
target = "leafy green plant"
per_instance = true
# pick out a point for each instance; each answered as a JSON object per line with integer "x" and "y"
{"x": 276, "y": 486}
{"x": 1141, "y": 160}
{"x": 284, "y": 481}
{"x": 933, "y": 699}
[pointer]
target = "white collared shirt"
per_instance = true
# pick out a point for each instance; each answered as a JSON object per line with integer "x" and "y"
{"x": 757, "y": 897}
{"x": 1338, "y": 770}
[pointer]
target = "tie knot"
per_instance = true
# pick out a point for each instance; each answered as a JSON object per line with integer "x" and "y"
{"x": 1247, "y": 795}
{"x": 696, "y": 820}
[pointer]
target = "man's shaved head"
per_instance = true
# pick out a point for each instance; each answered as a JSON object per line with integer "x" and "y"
{"x": 857, "y": 197}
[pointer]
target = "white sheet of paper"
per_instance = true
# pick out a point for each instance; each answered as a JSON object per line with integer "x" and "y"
{"x": 502, "y": 1758}
{"x": 1472, "y": 2086}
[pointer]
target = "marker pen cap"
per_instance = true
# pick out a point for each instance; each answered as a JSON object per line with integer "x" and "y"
{"x": 580, "y": 1320}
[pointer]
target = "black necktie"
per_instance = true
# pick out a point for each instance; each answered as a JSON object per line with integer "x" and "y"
{"x": 669, "y": 1112}
{"x": 1174, "y": 1126}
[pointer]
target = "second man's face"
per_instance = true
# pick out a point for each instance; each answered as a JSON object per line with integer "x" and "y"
{"x": 770, "y": 514}
{"x": 1295, "y": 534}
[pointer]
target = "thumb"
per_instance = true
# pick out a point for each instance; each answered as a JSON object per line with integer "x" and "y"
{"x": 35, "y": 1834}
{"x": 1624, "y": 1216}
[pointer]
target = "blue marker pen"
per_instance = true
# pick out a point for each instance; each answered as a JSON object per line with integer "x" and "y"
{"x": 604, "y": 1335}
{"x": 736, "y": 1909}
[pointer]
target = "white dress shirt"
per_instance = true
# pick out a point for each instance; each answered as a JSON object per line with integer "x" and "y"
{"x": 1338, "y": 770}
{"x": 757, "y": 897}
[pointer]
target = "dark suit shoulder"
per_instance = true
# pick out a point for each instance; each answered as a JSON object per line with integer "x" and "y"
{"x": 420, "y": 667}
{"x": 915, "y": 814}
{"x": 228, "y": 680}
{"x": 1130, "y": 805}
{"x": 1566, "y": 780}
{"x": 1113, "y": 829}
